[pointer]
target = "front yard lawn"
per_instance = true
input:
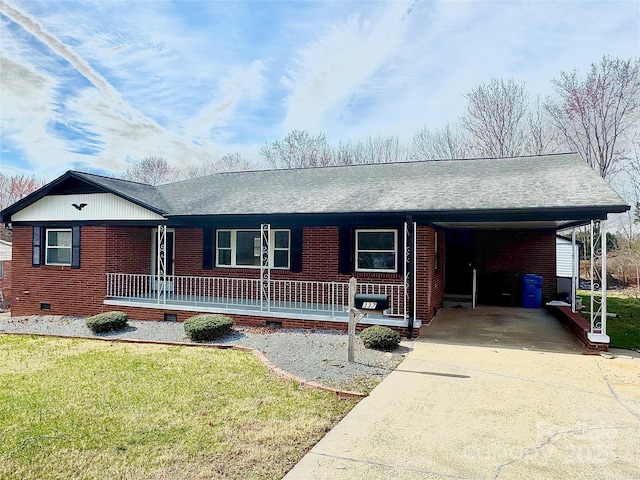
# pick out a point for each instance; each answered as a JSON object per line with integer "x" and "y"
{"x": 624, "y": 329}
{"x": 93, "y": 410}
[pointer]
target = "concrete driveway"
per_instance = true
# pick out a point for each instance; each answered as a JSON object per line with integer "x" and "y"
{"x": 487, "y": 412}
{"x": 505, "y": 327}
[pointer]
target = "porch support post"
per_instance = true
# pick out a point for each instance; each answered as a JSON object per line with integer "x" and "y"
{"x": 574, "y": 270}
{"x": 598, "y": 333}
{"x": 409, "y": 273}
{"x": 161, "y": 266}
{"x": 265, "y": 267}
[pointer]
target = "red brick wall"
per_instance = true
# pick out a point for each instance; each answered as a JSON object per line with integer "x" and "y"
{"x": 5, "y": 280}
{"x": 522, "y": 252}
{"x": 68, "y": 291}
{"x": 319, "y": 259}
{"x": 429, "y": 280}
{"x": 129, "y": 249}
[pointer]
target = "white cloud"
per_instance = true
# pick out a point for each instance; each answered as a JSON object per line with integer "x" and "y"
{"x": 329, "y": 70}
{"x": 27, "y": 111}
{"x": 197, "y": 79}
{"x": 240, "y": 83}
{"x": 124, "y": 140}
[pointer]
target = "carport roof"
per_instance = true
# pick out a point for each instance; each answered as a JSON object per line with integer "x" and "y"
{"x": 547, "y": 188}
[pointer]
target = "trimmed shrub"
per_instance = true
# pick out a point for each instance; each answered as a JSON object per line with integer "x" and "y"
{"x": 107, "y": 321}
{"x": 207, "y": 327}
{"x": 379, "y": 337}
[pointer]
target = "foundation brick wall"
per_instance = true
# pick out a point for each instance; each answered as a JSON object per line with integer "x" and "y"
{"x": 151, "y": 314}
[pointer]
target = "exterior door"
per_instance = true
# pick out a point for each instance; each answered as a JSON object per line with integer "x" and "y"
{"x": 459, "y": 260}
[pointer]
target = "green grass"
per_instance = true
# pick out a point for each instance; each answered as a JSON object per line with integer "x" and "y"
{"x": 74, "y": 409}
{"x": 624, "y": 329}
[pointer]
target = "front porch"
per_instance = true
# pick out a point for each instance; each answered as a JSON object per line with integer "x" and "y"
{"x": 253, "y": 297}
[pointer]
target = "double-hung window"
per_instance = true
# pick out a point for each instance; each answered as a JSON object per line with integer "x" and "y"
{"x": 58, "y": 246}
{"x": 242, "y": 248}
{"x": 377, "y": 251}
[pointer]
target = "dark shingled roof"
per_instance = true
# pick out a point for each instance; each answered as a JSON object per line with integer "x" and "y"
{"x": 505, "y": 185}
{"x": 140, "y": 193}
{"x": 547, "y": 181}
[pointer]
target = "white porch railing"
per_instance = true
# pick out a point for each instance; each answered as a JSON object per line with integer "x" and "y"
{"x": 244, "y": 293}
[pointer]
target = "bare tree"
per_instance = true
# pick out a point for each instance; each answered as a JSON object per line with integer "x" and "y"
{"x": 14, "y": 188}
{"x": 380, "y": 149}
{"x": 495, "y": 118}
{"x": 541, "y": 137}
{"x": 593, "y": 112}
{"x": 440, "y": 145}
{"x": 152, "y": 170}
{"x": 232, "y": 162}
{"x": 376, "y": 149}
{"x": 298, "y": 149}
{"x": 348, "y": 153}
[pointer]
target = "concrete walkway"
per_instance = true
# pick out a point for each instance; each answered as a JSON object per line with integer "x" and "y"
{"x": 453, "y": 411}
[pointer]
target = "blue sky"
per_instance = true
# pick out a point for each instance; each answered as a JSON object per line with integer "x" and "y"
{"x": 98, "y": 84}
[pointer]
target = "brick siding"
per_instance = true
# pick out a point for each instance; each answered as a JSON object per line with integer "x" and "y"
{"x": 523, "y": 252}
{"x": 68, "y": 291}
{"x": 110, "y": 249}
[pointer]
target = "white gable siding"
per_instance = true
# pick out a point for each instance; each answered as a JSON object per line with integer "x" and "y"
{"x": 564, "y": 258}
{"x": 99, "y": 206}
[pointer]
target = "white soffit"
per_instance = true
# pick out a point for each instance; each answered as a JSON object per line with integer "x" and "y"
{"x": 83, "y": 207}
{"x": 526, "y": 225}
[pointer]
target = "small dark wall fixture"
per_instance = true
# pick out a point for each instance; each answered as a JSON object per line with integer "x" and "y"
{"x": 170, "y": 317}
{"x": 45, "y": 306}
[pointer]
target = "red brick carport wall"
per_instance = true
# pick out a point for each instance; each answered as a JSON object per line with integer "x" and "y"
{"x": 525, "y": 252}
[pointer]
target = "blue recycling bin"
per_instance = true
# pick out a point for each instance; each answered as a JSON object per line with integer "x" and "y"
{"x": 531, "y": 293}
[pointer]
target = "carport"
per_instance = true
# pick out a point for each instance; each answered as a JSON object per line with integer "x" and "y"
{"x": 505, "y": 231}
{"x": 501, "y": 327}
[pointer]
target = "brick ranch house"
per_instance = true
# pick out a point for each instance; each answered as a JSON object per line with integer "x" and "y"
{"x": 279, "y": 246}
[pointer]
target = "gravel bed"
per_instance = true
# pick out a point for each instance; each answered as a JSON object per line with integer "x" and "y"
{"x": 319, "y": 356}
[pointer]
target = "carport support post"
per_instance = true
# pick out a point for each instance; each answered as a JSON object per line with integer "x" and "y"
{"x": 598, "y": 332}
{"x": 410, "y": 273}
{"x": 574, "y": 270}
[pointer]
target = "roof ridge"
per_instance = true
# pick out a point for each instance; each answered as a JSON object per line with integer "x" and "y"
{"x": 107, "y": 177}
{"x": 364, "y": 164}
